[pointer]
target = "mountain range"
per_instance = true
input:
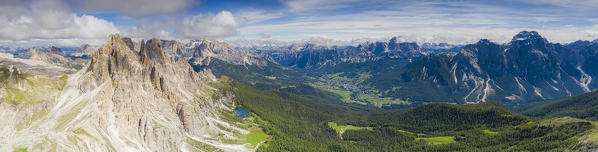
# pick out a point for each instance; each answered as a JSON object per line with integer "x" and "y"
{"x": 165, "y": 95}
{"x": 527, "y": 69}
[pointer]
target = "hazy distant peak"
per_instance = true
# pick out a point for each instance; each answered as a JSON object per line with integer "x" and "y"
{"x": 527, "y": 35}
{"x": 484, "y": 41}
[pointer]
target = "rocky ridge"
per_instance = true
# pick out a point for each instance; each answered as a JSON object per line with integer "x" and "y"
{"x": 202, "y": 51}
{"x": 85, "y": 50}
{"x": 529, "y": 68}
{"x": 311, "y": 56}
{"x": 127, "y": 100}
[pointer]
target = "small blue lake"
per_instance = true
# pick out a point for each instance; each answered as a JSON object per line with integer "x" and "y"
{"x": 241, "y": 112}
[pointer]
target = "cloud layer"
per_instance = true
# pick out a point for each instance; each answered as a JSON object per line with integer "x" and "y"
{"x": 49, "y": 20}
{"x": 450, "y": 21}
{"x": 211, "y": 26}
{"x": 136, "y": 7}
{"x": 330, "y": 22}
{"x": 53, "y": 22}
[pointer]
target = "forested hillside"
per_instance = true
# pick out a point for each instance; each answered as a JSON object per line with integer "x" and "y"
{"x": 300, "y": 124}
{"x": 583, "y": 106}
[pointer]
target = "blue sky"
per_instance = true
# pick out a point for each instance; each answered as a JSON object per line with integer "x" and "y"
{"x": 330, "y": 22}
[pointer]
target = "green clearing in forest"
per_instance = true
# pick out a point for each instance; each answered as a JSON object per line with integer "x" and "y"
{"x": 342, "y": 128}
{"x": 438, "y": 140}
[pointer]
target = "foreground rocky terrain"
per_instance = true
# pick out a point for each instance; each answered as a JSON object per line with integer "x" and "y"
{"x": 124, "y": 100}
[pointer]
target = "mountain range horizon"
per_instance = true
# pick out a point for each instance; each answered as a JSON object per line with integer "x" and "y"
{"x": 148, "y": 91}
{"x": 275, "y": 43}
{"x": 298, "y": 76}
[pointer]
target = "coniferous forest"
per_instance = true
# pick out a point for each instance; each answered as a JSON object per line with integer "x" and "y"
{"x": 303, "y": 124}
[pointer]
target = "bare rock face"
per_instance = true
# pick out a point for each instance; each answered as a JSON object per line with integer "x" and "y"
{"x": 202, "y": 51}
{"x": 113, "y": 59}
{"x": 529, "y": 68}
{"x": 85, "y": 50}
{"x": 129, "y": 43}
{"x": 49, "y": 56}
{"x": 56, "y": 57}
{"x": 56, "y": 50}
{"x": 151, "y": 96}
{"x": 128, "y": 100}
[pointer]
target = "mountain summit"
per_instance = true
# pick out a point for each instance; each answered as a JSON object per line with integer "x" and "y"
{"x": 128, "y": 100}
{"x": 527, "y": 35}
{"x": 529, "y": 68}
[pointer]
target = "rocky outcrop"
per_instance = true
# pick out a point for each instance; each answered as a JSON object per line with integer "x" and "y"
{"x": 56, "y": 57}
{"x": 202, "y": 51}
{"x": 128, "y": 100}
{"x": 56, "y": 50}
{"x": 51, "y": 56}
{"x": 311, "y": 56}
{"x": 84, "y": 51}
{"x": 148, "y": 84}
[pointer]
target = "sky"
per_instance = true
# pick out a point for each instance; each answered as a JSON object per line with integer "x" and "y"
{"x": 28, "y": 23}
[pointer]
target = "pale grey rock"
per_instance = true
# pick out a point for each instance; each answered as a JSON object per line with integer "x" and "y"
{"x": 56, "y": 57}
{"x": 84, "y": 50}
{"x": 126, "y": 100}
{"x": 202, "y": 51}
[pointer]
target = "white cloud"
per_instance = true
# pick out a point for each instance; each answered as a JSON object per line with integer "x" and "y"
{"x": 258, "y": 15}
{"x": 242, "y": 42}
{"x": 223, "y": 24}
{"x": 576, "y": 4}
{"x": 314, "y": 5}
{"x": 453, "y": 35}
{"x": 137, "y": 7}
{"x": 51, "y": 22}
{"x": 326, "y": 22}
{"x": 457, "y": 22}
{"x": 50, "y": 19}
{"x": 199, "y": 26}
{"x": 265, "y": 36}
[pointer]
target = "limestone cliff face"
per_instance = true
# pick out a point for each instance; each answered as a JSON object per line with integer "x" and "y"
{"x": 128, "y": 100}
{"x": 49, "y": 56}
{"x": 310, "y": 56}
{"x": 202, "y": 51}
{"x": 56, "y": 57}
{"x": 85, "y": 50}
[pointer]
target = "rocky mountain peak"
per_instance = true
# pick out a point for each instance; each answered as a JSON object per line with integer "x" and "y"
{"x": 392, "y": 43}
{"x": 527, "y": 35}
{"x": 84, "y": 46}
{"x": 129, "y": 43}
{"x": 56, "y": 50}
{"x": 483, "y": 42}
{"x": 112, "y": 58}
{"x": 529, "y": 42}
{"x": 142, "y": 97}
{"x": 115, "y": 61}
{"x": 393, "y": 40}
{"x": 483, "y": 47}
{"x": 152, "y": 51}
{"x": 51, "y": 57}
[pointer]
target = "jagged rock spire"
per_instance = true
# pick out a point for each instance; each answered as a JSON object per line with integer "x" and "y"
{"x": 114, "y": 57}
{"x": 152, "y": 51}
